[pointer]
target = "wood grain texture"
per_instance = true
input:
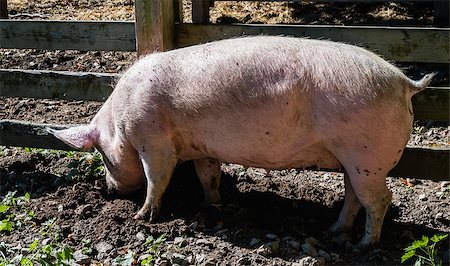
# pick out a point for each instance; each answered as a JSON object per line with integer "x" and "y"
{"x": 200, "y": 11}
{"x": 416, "y": 162}
{"x": 403, "y": 44}
{"x": 67, "y": 35}
{"x": 56, "y": 84}
{"x": 154, "y": 26}
{"x": 3, "y": 9}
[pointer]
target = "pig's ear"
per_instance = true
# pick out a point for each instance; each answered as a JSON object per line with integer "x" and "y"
{"x": 80, "y": 137}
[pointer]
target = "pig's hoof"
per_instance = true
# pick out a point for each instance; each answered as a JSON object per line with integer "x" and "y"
{"x": 363, "y": 247}
{"x": 154, "y": 214}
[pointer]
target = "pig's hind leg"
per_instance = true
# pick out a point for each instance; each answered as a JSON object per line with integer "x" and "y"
{"x": 158, "y": 162}
{"x": 369, "y": 186}
{"x": 208, "y": 171}
{"x": 349, "y": 210}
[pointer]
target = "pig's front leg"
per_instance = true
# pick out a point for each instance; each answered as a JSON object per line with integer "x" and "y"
{"x": 158, "y": 167}
{"x": 208, "y": 171}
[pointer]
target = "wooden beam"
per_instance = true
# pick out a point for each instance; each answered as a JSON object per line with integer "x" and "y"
{"x": 3, "y": 9}
{"x": 426, "y": 163}
{"x": 404, "y": 44}
{"x": 67, "y": 35}
{"x": 416, "y": 162}
{"x": 154, "y": 25}
{"x": 432, "y": 104}
{"x": 200, "y": 11}
{"x": 33, "y": 135}
{"x": 441, "y": 13}
{"x": 56, "y": 84}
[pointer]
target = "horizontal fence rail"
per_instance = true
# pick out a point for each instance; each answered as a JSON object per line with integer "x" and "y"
{"x": 402, "y": 44}
{"x": 67, "y": 35}
{"x": 415, "y": 162}
{"x": 430, "y": 104}
{"x": 42, "y": 84}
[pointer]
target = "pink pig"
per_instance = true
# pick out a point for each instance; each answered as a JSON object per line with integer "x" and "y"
{"x": 269, "y": 102}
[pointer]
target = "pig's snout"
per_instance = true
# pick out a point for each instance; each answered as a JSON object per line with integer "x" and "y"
{"x": 115, "y": 185}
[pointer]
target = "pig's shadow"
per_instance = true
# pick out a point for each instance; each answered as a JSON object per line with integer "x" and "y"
{"x": 254, "y": 214}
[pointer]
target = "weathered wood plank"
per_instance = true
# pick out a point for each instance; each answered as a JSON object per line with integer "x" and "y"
{"x": 415, "y": 162}
{"x": 3, "y": 9}
{"x": 200, "y": 11}
{"x": 33, "y": 135}
{"x": 56, "y": 84}
{"x": 441, "y": 13}
{"x": 64, "y": 35}
{"x": 404, "y": 44}
{"x": 155, "y": 21}
{"x": 424, "y": 163}
{"x": 431, "y": 104}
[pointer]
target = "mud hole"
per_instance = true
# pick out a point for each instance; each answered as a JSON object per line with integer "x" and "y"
{"x": 264, "y": 219}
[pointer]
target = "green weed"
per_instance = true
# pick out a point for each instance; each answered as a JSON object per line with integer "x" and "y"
{"x": 13, "y": 213}
{"x": 424, "y": 250}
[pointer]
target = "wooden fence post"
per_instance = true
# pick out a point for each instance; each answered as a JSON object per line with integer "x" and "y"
{"x": 154, "y": 25}
{"x": 200, "y": 11}
{"x": 441, "y": 13}
{"x": 3, "y": 9}
{"x": 178, "y": 10}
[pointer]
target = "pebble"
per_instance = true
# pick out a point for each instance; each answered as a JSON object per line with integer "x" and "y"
{"x": 293, "y": 244}
{"x": 255, "y": 242}
{"x": 84, "y": 210}
{"x": 324, "y": 255}
{"x": 312, "y": 241}
{"x": 244, "y": 261}
{"x": 204, "y": 242}
{"x": 273, "y": 246}
{"x": 161, "y": 262}
{"x": 221, "y": 232}
{"x": 341, "y": 239}
{"x": 335, "y": 257}
{"x": 179, "y": 258}
{"x": 309, "y": 250}
{"x": 305, "y": 261}
{"x": 445, "y": 184}
{"x": 439, "y": 216}
{"x": 272, "y": 237}
{"x": 180, "y": 241}
{"x": 321, "y": 261}
{"x": 423, "y": 197}
{"x": 103, "y": 247}
{"x": 263, "y": 251}
{"x": 140, "y": 236}
{"x": 81, "y": 258}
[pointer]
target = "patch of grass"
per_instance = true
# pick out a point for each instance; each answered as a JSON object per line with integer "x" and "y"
{"x": 48, "y": 250}
{"x": 13, "y": 213}
{"x": 85, "y": 166}
{"x": 424, "y": 250}
{"x": 152, "y": 252}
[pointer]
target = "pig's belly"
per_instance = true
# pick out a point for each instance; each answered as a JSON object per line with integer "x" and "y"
{"x": 264, "y": 155}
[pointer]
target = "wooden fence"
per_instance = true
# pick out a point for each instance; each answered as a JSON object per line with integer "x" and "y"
{"x": 156, "y": 29}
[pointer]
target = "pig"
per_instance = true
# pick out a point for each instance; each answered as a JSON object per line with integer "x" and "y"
{"x": 268, "y": 102}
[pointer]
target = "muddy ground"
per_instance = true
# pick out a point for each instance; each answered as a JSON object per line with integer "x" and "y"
{"x": 274, "y": 218}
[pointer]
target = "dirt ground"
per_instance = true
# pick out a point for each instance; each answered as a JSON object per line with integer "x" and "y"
{"x": 274, "y": 218}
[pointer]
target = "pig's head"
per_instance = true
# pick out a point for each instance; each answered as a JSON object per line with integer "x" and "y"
{"x": 123, "y": 168}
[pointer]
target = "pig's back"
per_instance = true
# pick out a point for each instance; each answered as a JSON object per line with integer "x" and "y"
{"x": 253, "y": 70}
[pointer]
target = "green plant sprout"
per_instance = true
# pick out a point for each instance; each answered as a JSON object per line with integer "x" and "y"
{"x": 13, "y": 213}
{"x": 424, "y": 250}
